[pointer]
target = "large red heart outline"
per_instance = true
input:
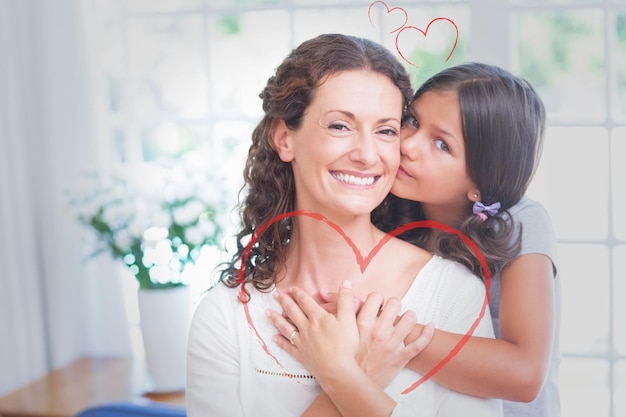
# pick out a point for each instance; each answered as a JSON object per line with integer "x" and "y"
{"x": 363, "y": 262}
{"x": 391, "y": 13}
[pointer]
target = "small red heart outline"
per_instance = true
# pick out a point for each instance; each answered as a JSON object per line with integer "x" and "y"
{"x": 406, "y": 15}
{"x": 363, "y": 263}
{"x": 425, "y": 33}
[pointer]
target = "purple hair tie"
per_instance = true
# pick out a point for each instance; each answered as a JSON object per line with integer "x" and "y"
{"x": 483, "y": 211}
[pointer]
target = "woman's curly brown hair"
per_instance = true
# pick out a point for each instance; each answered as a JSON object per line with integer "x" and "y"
{"x": 269, "y": 183}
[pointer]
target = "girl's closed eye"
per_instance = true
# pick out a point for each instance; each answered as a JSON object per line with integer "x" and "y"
{"x": 442, "y": 145}
{"x": 410, "y": 120}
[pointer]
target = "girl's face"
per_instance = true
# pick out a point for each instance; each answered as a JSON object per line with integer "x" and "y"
{"x": 346, "y": 152}
{"x": 432, "y": 167}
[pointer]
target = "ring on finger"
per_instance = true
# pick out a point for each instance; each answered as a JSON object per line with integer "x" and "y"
{"x": 293, "y": 334}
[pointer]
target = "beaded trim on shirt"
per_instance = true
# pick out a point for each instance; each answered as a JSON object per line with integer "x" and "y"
{"x": 289, "y": 375}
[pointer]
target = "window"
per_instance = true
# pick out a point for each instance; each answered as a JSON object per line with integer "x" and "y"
{"x": 179, "y": 79}
{"x": 573, "y": 51}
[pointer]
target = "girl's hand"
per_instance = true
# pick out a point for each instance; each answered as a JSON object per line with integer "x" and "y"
{"x": 329, "y": 301}
{"x": 388, "y": 341}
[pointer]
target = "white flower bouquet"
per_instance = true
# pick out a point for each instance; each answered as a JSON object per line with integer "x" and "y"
{"x": 155, "y": 230}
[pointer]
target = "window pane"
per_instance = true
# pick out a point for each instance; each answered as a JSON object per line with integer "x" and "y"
{"x": 162, "y": 5}
{"x": 352, "y": 21}
{"x": 619, "y": 57}
{"x": 168, "y": 141}
{"x": 110, "y": 61}
{"x": 619, "y": 295}
{"x": 167, "y": 66}
{"x": 241, "y": 4}
{"x": 240, "y": 60}
{"x": 421, "y": 55}
{"x": 445, "y": 44}
{"x": 562, "y": 54}
{"x": 619, "y": 396}
{"x": 583, "y": 387}
{"x": 572, "y": 181}
{"x": 390, "y": 4}
{"x": 618, "y": 174}
{"x": 231, "y": 140}
{"x": 585, "y": 282}
{"x": 543, "y": 2}
{"x": 119, "y": 142}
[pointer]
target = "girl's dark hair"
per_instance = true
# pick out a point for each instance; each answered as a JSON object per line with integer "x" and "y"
{"x": 269, "y": 183}
{"x": 503, "y": 123}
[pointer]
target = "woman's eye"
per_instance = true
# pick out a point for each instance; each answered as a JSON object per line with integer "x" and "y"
{"x": 389, "y": 132}
{"x": 442, "y": 146}
{"x": 337, "y": 126}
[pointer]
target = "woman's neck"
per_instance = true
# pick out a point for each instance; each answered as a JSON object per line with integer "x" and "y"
{"x": 322, "y": 254}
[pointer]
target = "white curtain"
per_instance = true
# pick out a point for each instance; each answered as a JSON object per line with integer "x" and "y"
{"x": 54, "y": 307}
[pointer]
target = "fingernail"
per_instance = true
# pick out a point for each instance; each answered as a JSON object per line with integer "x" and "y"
{"x": 268, "y": 313}
{"x": 347, "y": 284}
{"x": 275, "y": 295}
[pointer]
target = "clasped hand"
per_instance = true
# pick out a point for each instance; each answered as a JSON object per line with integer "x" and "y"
{"x": 342, "y": 333}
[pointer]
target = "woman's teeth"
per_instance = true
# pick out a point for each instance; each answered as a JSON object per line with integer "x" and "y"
{"x": 351, "y": 179}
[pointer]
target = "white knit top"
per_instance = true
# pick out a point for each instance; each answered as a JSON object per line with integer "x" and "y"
{"x": 234, "y": 368}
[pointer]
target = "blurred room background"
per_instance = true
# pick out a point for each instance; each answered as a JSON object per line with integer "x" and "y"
{"x": 137, "y": 88}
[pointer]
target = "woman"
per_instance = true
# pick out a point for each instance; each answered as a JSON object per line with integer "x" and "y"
{"x": 322, "y": 158}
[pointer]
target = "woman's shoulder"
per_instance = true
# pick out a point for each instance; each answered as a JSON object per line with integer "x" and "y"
{"x": 450, "y": 296}
{"x": 217, "y": 301}
{"x": 451, "y": 279}
{"x": 460, "y": 283}
{"x": 452, "y": 269}
{"x": 408, "y": 250}
{"x": 398, "y": 254}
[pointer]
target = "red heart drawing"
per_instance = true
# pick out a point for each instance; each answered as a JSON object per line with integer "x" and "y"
{"x": 424, "y": 33}
{"x": 389, "y": 11}
{"x": 363, "y": 263}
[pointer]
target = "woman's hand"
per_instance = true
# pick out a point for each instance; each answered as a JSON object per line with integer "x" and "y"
{"x": 379, "y": 340}
{"x": 323, "y": 342}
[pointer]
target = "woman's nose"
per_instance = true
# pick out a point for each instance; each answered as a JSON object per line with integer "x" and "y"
{"x": 365, "y": 150}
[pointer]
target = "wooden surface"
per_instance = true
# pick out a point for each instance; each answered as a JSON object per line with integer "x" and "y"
{"x": 84, "y": 383}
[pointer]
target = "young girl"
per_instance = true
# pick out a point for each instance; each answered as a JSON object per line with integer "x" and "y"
{"x": 471, "y": 144}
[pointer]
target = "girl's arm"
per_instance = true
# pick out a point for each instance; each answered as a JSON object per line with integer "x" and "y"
{"x": 513, "y": 367}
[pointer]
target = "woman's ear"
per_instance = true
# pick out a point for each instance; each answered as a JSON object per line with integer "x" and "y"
{"x": 282, "y": 141}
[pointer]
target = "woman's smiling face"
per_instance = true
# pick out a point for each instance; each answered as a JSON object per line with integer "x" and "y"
{"x": 346, "y": 152}
{"x": 433, "y": 168}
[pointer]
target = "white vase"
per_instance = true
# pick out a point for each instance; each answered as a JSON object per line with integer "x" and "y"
{"x": 165, "y": 316}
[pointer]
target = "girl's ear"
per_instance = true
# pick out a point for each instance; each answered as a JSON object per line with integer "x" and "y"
{"x": 473, "y": 195}
{"x": 282, "y": 141}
